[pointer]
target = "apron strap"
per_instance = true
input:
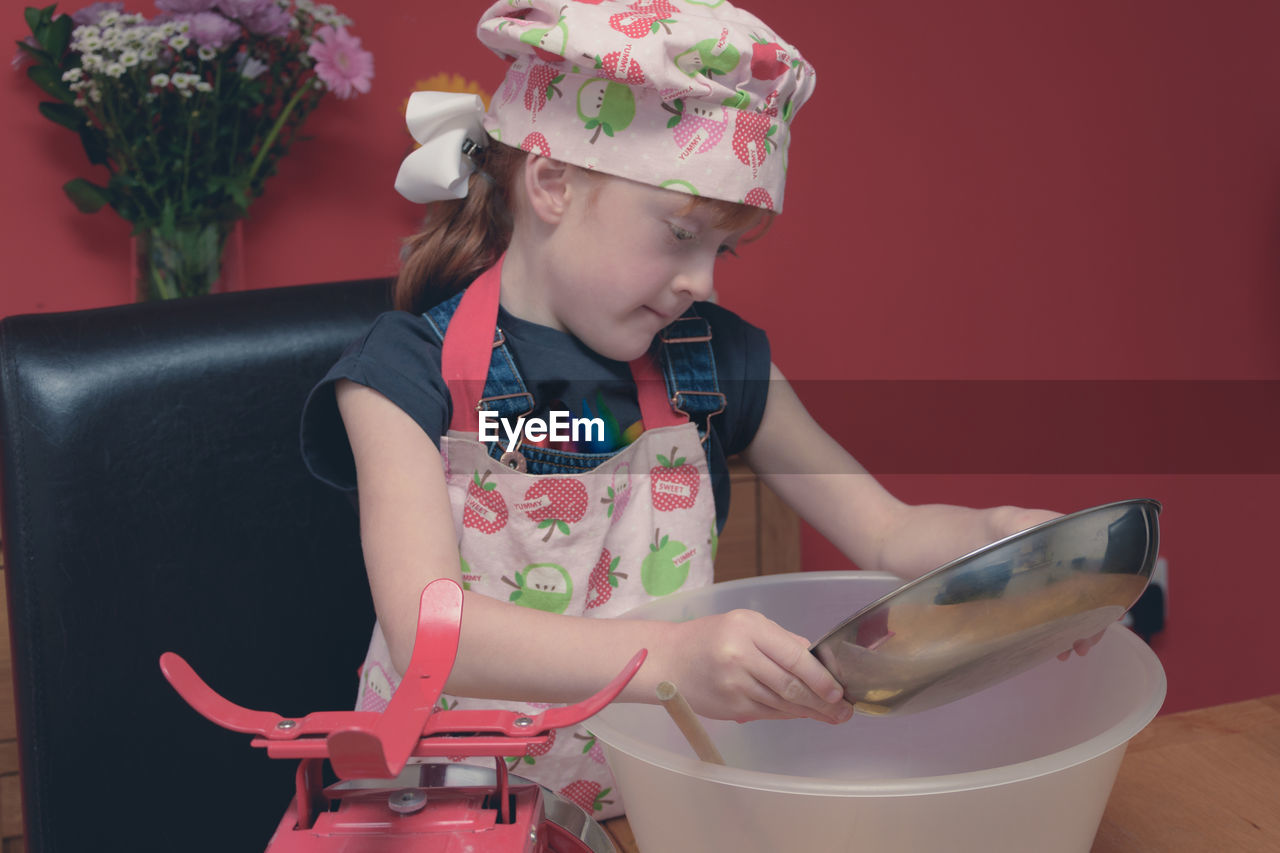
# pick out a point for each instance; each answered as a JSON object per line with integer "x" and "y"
{"x": 468, "y": 348}
{"x": 651, "y": 390}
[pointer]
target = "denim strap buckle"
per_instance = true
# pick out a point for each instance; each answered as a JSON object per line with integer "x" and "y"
{"x": 694, "y": 408}
{"x": 480, "y": 406}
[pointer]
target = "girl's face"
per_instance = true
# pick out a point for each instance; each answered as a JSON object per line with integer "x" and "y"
{"x": 628, "y": 259}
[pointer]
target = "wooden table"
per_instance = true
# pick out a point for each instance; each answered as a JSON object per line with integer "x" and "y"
{"x": 1196, "y": 781}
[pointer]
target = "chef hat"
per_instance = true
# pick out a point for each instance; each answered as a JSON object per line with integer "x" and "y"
{"x": 692, "y": 95}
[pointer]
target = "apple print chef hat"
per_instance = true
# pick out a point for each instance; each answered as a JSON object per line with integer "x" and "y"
{"x": 691, "y": 95}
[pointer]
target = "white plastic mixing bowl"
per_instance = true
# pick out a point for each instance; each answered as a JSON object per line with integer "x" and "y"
{"x": 1026, "y": 765}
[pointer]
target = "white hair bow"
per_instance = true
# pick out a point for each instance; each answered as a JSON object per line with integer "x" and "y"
{"x": 448, "y": 125}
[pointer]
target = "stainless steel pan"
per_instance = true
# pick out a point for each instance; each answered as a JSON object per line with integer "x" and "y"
{"x": 995, "y": 612}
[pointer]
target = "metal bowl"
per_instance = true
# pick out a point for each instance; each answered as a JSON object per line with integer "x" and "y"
{"x": 996, "y": 611}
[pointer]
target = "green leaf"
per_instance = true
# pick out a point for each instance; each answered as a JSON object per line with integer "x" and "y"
{"x": 94, "y": 147}
{"x": 58, "y": 36}
{"x": 666, "y": 463}
{"x": 674, "y": 121}
{"x": 63, "y": 114}
{"x": 87, "y": 196}
{"x": 35, "y": 53}
{"x": 562, "y": 527}
{"x": 51, "y": 82}
{"x": 35, "y": 17}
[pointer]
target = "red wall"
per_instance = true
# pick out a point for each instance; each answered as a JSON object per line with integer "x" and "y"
{"x": 979, "y": 191}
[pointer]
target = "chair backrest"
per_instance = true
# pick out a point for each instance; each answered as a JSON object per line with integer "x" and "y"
{"x": 155, "y": 500}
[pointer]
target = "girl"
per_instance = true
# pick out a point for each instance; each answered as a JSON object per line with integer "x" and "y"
{"x": 570, "y": 274}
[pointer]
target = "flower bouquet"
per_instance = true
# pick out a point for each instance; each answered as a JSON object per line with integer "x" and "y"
{"x": 189, "y": 111}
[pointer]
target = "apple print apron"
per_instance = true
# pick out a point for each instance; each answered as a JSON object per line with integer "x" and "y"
{"x": 588, "y": 534}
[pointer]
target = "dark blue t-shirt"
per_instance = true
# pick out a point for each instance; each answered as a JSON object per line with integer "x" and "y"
{"x": 400, "y": 358}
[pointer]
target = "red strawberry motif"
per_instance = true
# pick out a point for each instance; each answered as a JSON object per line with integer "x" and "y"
{"x": 661, "y": 8}
{"x": 759, "y": 197}
{"x": 603, "y": 580}
{"x": 644, "y": 18}
{"x": 485, "y": 510}
{"x": 586, "y": 794}
{"x": 620, "y": 66}
{"x": 751, "y": 138}
{"x": 696, "y": 129}
{"x": 673, "y": 484}
{"x": 769, "y": 60}
{"x": 533, "y": 751}
{"x": 537, "y": 143}
{"x": 555, "y": 503}
{"x": 592, "y": 748}
{"x": 541, "y": 87}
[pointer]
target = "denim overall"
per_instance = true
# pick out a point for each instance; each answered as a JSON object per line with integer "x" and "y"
{"x": 588, "y": 534}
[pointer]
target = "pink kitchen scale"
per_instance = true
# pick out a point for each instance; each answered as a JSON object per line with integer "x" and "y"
{"x": 386, "y": 803}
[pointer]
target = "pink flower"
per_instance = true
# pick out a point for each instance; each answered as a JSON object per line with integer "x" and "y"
{"x": 341, "y": 64}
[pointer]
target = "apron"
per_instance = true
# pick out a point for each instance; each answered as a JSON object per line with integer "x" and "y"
{"x": 588, "y": 534}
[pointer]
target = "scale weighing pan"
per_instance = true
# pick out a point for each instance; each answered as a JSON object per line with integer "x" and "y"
{"x": 995, "y": 612}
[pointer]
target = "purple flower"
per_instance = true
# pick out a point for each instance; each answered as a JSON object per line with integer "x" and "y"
{"x": 22, "y": 59}
{"x": 341, "y": 64}
{"x": 272, "y": 22}
{"x": 186, "y": 7}
{"x": 260, "y": 17}
{"x": 244, "y": 8}
{"x": 209, "y": 29}
{"x": 91, "y": 13}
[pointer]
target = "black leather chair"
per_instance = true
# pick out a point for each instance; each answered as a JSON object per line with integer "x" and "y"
{"x": 155, "y": 499}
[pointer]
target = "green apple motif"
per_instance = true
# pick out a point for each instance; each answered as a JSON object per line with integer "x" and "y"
{"x": 606, "y": 106}
{"x": 703, "y": 58}
{"x": 550, "y": 40}
{"x": 680, "y": 186}
{"x": 714, "y": 540}
{"x": 666, "y": 567}
{"x": 542, "y": 586}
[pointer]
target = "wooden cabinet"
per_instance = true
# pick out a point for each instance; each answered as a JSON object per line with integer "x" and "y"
{"x": 761, "y": 535}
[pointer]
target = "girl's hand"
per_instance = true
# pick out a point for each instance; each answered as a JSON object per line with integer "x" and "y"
{"x": 742, "y": 666}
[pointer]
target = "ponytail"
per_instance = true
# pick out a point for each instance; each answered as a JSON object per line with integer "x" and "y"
{"x": 460, "y": 238}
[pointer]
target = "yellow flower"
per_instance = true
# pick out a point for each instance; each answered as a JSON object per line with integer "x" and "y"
{"x": 449, "y": 83}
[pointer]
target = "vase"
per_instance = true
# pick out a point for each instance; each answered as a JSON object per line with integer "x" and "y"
{"x": 177, "y": 261}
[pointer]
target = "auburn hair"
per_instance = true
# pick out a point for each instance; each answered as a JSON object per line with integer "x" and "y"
{"x": 461, "y": 238}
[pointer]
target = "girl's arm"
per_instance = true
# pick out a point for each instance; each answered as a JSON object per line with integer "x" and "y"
{"x": 833, "y": 492}
{"x": 733, "y": 666}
